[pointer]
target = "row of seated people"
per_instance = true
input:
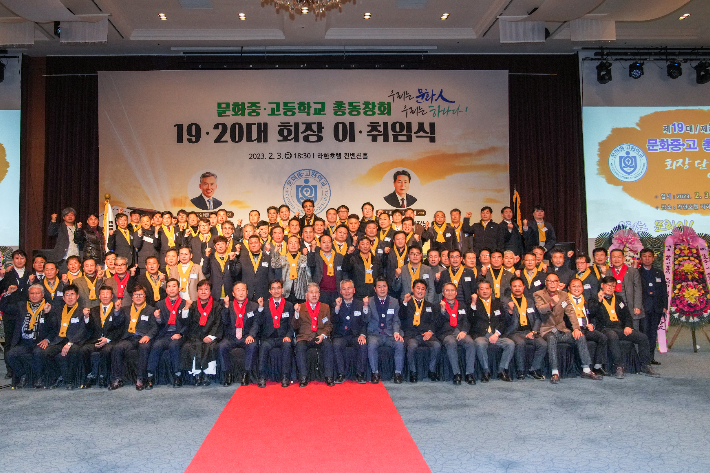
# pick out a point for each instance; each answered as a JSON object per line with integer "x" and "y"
{"x": 95, "y": 341}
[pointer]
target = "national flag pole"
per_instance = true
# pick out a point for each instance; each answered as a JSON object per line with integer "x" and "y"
{"x": 516, "y": 210}
{"x": 108, "y": 220}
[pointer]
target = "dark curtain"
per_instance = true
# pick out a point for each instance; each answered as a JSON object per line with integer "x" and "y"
{"x": 71, "y": 173}
{"x": 546, "y": 161}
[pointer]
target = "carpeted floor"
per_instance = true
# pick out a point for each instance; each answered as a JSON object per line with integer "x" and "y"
{"x": 637, "y": 424}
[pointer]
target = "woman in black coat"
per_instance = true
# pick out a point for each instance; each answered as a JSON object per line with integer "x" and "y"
{"x": 90, "y": 240}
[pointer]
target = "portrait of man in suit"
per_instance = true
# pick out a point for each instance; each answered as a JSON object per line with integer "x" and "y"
{"x": 208, "y": 186}
{"x": 400, "y": 198}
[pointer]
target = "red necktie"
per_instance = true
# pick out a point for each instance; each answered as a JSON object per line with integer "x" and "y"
{"x": 402, "y": 204}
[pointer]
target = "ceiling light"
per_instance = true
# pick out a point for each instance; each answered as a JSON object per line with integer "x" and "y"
{"x": 319, "y": 8}
{"x": 162, "y": 16}
{"x": 636, "y": 70}
{"x": 684, "y": 16}
{"x": 304, "y": 10}
{"x": 242, "y": 16}
{"x": 367, "y": 16}
{"x": 702, "y": 72}
{"x": 444, "y": 16}
{"x": 674, "y": 69}
{"x": 604, "y": 72}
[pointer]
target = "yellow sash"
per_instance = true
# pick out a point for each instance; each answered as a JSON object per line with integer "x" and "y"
{"x": 368, "y": 265}
{"x": 194, "y": 233}
{"x": 126, "y": 234}
{"x": 52, "y": 289}
{"x": 611, "y": 308}
{"x": 184, "y": 275}
{"x": 66, "y": 317}
{"x": 71, "y": 276}
{"x": 155, "y": 285}
{"x": 496, "y": 282}
{"x": 103, "y": 314}
{"x": 487, "y": 306}
{"x": 414, "y": 274}
{"x": 455, "y": 278}
{"x": 522, "y": 310}
{"x": 585, "y": 275}
{"x": 400, "y": 256}
{"x": 579, "y": 308}
{"x": 255, "y": 264}
{"x": 529, "y": 278}
{"x": 457, "y": 230}
{"x": 409, "y": 236}
{"x": 219, "y": 228}
{"x": 135, "y": 313}
{"x": 170, "y": 235}
{"x": 417, "y": 312}
{"x": 341, "y": 248}
{"x": 293, "y": 265}
{"x": 540, "y": 232}
{"x": 92, "y": 288}
{"x": 373, "y": 248}
{"x": 596, "y": 271}
{"x": 222, "y": 260}
{"x": 329, "y": 262}
{"x": 135, "y": 226}
{"x": 440, "y": 232}
{"x": 33, "y": 319}
{"x": 383, "y": 234}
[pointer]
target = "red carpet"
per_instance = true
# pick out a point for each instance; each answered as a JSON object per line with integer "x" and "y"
{"x": 348, "y": 427}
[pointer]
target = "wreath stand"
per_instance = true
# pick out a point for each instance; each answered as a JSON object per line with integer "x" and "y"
{"x": 692, "y": 334}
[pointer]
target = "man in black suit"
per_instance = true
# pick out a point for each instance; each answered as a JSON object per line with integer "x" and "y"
{"x": 485, "y": 232}
{"x": 419, "y": 323}
{"x": 349, "y": 330}
{"x": 208, "y": 186}
{"x": 254, "y": 265}
{"x": 309, "y": 217}
{"x": 17, "y": 278}
{"x": 655, "y": 299}
{"x": 539, "y": 234}
{"x": 275, "y": 332}
{"x": 65, "y": 246}
{"x": 509, "y": 236}
{"x": 490, "y": 323}
{"x": 363, "y": 269}
{"x": 400, "y": 198}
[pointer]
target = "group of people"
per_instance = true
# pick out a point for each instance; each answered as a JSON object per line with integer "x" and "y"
{"x": 197, "y": 289}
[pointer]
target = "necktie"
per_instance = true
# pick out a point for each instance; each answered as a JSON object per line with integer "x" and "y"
{"x": 209, "y": 204}
{"x": 402, "y": 203}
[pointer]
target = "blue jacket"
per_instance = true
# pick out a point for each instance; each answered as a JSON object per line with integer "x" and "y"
{"x": 383, "y": 325}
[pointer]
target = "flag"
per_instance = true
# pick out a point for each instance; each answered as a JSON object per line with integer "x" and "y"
{"x": 108, "y": 222}
{"x": 516, "y": 210}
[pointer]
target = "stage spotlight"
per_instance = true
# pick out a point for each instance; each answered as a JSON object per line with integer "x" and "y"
{"x": 636, "y": 70}
{"x": 702, "y": 72}
{"x": 674, "y": 69}
{"x": 603, "y": 72}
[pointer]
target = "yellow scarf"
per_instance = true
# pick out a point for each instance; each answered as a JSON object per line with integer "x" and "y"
{"x": 414, "y": 274}
{"x": 373, "y": 248}
{"x": 136, "y": 226}
{"x": 409, "y": 236}
{"x": 293, "y": 265}
{"x": 455, "y": 278}
{"x": 529, "y": 278}
{"x": 368, "y": 265}
{"x": 108, "y": 273}
{"x": 194, "y": 233}
{"x": 135, "y": 313}
{"x": 400, "y": 256}
{"x": 332, "y": 229}
{"x": 52, "y": 289}
{"x": 219, "y": 228}
{"x": 254, "y": 263}
{"x": 71, "y": 276}
{"x": 170, "y": 235}
{"x": 540, "y": 232}
{"x": 417, "y": 312}
{"x": 205, "y": 237}
{"x": 579, "y": 308}
{"x": 103, "y": 314}
{"x": 222, "y": 260}
{"x": 329, "y": 261}
{"x": 440, "y": 232}
{"x": 585, "y": 275}
{"x": 126, "y": 234}
{"x": 33, "y": 319}
{"x": 596, "y": 271}
{"x": 184, "y": 275}
{"x": 383, "y": 234}
{"x": 66, "y": 317}
{"x": 487, "y": 306}
{"x": 155, "y": 286}
{"x": 92, "y": 288}
{"x": 457, "y": 230}
{"x": 611, "y": 308}
{"x": 496, "y": 281}
{"x": 341, "y": 248}
{"x": 522, "y": 310}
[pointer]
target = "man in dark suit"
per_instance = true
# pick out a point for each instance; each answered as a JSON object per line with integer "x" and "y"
{"x": 309, "y": 217}
{"x": 628, "y": 285}
{"x": 326, "y": 265}
{"x": 489, "y": 327}
{"x": 109, "y": 321}
{"x": 452, "y": 327}
{"x": 349, "y": 330}
{"x": 585, "y": 311}
{"x": 509, "y": 236}
{"x": 383, "y": 328}
{"x": 485, "y": 232}
{"x": 363, "y": 269}
{"x": 275, "y": 332}
{"x": 208, "y": 186}
{"x": 655, "y": 299}
{"x": 16, "y": 277}
{"x": 203, "y": 334}
{"x": 64, "y": 246}
{"x": 540, "y": 232}
{"x": 418, "y": 323}
{"x": 254, "y": 265}
{"x": 241, "y": 329}
{"x": 400, "y": 198}
{"x": 219, "y": 268}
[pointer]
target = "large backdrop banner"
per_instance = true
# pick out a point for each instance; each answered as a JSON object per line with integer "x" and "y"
{"x": 273, "y": 137}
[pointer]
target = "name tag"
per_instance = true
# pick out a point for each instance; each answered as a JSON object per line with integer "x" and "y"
{"x": 185, "y": 313}
{"x": 536, "y": 283}
{"x": 462, "y": 311}
{"x": 658, "y": 279}
{"x": 379, "y": 250}
{"x": 368, "y": 271}
{"x": 64, "y": 325}
{"x": 531, "y": 310}
{"x": 250, "y": 314}
{"x": 284, "y": 315}
{"x": 74, "y": 320}
{"x": 587, "y": 286}
{"x": 564, "y": 304}
{"x": 41, "y": 320}
{"x": 148, "y": 239}
{"x": 339, "y": 268}
{"x": 58, "y": 294}
{"x": 325, "y": 319}
{"x": 193, "y": 276}
{"x": 265, "y": 265}
{"x": 448, "y": 235}
{"x": 467, "y": 278}
{"x": 388, "y": 239}
{"x": 110, "y": 318}
{"x": 621, "y": 305}
{"x": 428, "y": 309}
{"x": 425, "y": 276}
{"x": 357, "y": 313}
{"x": 144, "y": 318}
{"x": 390, "y": 311}
{"x": 544, "y": 229}
{"x": 497, "y": 312}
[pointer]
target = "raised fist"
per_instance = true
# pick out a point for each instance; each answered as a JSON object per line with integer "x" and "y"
{"x": 443, "y": 304}
{"x": 111, "y": 232}
{"x": 31, "y": 278}
{"x": 208, "y": 251}
{"x": 407, "y": 298}
{"x": 161, "y": 277}
{"x": 54, "y": 217}
{"x": 133, "y": 271}
{"x": 387, "y": 250}
{"x": 525, "y": 224}
{"x": 297, "y": 308}
{"x": 510, "y": 307}
{"x": 398, "y": 272}
{"x": 100, "y": 273}
{"x": 474, "y": 299}
{"x": 261, "y": 302}
{"x": 338, "y": 302}
{"x": 226, "y": 302}
{"x": 78, "y": 224}
{"x": 469, "y": 215}
{"x": 232, "y": 255}
{"x": 239, "y": 222}
{"x": 366, "y": 301}
{"x": 438, "y": 276}
{"x": 86, "y": 311}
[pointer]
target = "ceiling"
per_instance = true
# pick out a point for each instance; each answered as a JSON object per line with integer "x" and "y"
{"x": 473, "y": 26}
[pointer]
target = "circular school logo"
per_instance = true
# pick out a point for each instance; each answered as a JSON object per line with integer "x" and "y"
{"x": 628, "y": 163}
{"x": 306, "y": 184}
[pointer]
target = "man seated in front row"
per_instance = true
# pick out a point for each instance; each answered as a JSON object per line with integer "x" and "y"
{"x": 526, "y": 320}
{"x": 203, "y": 334}
{"x": 349, "y": 330}
{"x": 383, "y": 328}
{"x": 489, "y": 325}
{"x": 588, "y": 324}
{"x": 241, "y": 327}
{"x": 275, "y": 332}
{"x": 452, "y": 327}
{"x": 553, "y": 305}
{"x": 109, "y": 320}
{"x": 418, "y": 323}
{"x": 313, "y": 329}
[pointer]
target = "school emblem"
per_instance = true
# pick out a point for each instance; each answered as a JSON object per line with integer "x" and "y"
{"x": 628, "y": 163}
{"x": 306, "y": 184}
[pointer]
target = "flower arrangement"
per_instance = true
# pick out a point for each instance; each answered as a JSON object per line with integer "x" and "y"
{"x": 686, "y": 262}
{"x": 627, "y": 240}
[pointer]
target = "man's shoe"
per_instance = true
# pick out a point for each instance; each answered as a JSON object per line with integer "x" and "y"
{"x": 648, "y": 371}
{"x": 486, "y": 376}
{"x": 654, "y": 362}
{"x": 433, "y": 376}
{"x": 245, "y": 379}
{"x": 38, "y": 384}
{"x": 115, "y": 384}
{"x": 139, "y": 385}
{"x": 177, "y": 381}
{"x": 600, "y": 371}
{"x": 521, "y": 375}
{"x": 457, "y": 380}
{"x": 206, "y": 379}
{"x": 261, "y": 382}
{"x": 197, "y": 379}
{"x": 303, "y": 382}
{"x": 536, "y": 374}
{"x": 503, "y": 375}
{"x": 398, "y": 378}
{"x": 413, "y": 377}
{"x": 149, "y": 383}
{"x": 8, "y": 375}
{"x": 555, "y": 378}
{"x": 225, "y": 379}
{"x": 375, "y": 378}
{"x": 591, "y": 375}
{"x": 57, "y": 384}
{"x": 339, "y": 379}
{"x": 471, "y": 379}
{"x": 23, "y": 382}
{"x": 360, "y": 378}
{"x": 103, "y": 382}
{"x": 285, "y": 382}
{"x": 619, "y": 373}
{"x": 329, "y": 382}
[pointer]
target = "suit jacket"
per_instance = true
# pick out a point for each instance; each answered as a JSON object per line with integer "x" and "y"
{"x": 510, "y": 239}
{"x": 142, "y": 279}
{"x": 213, "y": 326}
{"x": 349, "y": 321}
{"x": 78, "y": 330}
{"x": 402, "y": 285}
{"x": 496, "y": 321}
{"x": 631, "y": 291}
{"x": 149, "y": 247}
{"x": 85, "y": 292}
{"x": 316, "y": 264}
{"x": 250, "y": 321}
{"x": 257, "y": 282}
{"x": 266, "y": 321}
{"x": 162, "y": 242}
{"x": 553, "y": 313}
{"x": 201, "y": 204}
{"x": 301, "y": 323}
{"x": 531, "y": 236}
{"x": 12, "y": 278}
{"x": 118, "y": 244}
{"x": 443, "y": 321}
{"x": 180, "y": 324}
{"x": 282, "y": 269}
{"x": 355, "y": 267}
{"x": 58, "y": 292}
{"x": 532, "y": 314}
{"x": 383, "y": 325}
{"x": 655, "y": 292}
{"x": 198, "y": 248}
{"x": 591, "y": 285}
{"x": 563, "y": 272}
{"x": 393, "y": 200}
{"x": 468, "y": 285}
{"x": 195, "y": 276}
{"x": 504, "y": 281}
{"x": 427, "y": 319}
{"x": 535, "y": 284}
{"x": 601, "y": 315}
{"x": 59, "y": 230}
{"x": 46, "y": 326}
{"x": 146, "y": 326}
{"x": 126, "y": 299}
{"x": 218, "y": 277}
{"x": 113, "y": 325}
{"x": 431, "y": 236}
{"x": 483, "y": 237}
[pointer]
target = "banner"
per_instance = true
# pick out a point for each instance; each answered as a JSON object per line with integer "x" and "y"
{"x": 242, "y": 140}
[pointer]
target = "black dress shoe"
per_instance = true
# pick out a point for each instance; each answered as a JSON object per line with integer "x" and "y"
{"x": 90, "y": 380}
{"x": 648, "y": 371}
{"x": 303, "y": 382}
{"x": 471, "y": 379}
{"x": 245, "y": 379}
{"x": 139, "y": 385}
{"x": 261, "y": 383}
{"x": 23, "y": 382}
{"x": 375, "y": 378}
{"x": 115, "y": 384}
{"x": 591, "y": 375}
{"x": 85, "y": 385}
{"x": 38, "y": 384}
{"x": 285, "y": 382}
{"x": 654, "y": 362}
{"x": 8, "y": 375}
{"x": 230, "y": 378}
{"x": 486, "y": 376}
{"x": 329, "y": 382}
{"x": 225, "y": 380}
{"x": 536, "y": 374}
{"x": 149, "y": 383}
{"x": 555, "y": 378}
{"x": 103, "y": 382}
{"x": 600, "y": 371}
{"x": 177, "y": 381}
{"x": 503, "y": 375}
{"x": 413, "y": 377}
{"x": 457, "y": 380}
{"x": 57, "y": 384}
{"x": 206, "y": 379}
{"x": 433, "y": 376}
{"x": 198, "y": 379}
{"x": 521, "y": 375}
{"x": 360, "y": 378}
{"x": 398, "y": 378}
{"x": 339, "y": 379}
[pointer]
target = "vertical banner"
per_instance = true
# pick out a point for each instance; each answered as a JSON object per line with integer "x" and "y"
{"x": 241, "y": 140}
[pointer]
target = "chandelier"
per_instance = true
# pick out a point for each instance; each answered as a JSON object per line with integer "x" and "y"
{"x": 303, "y": 7}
